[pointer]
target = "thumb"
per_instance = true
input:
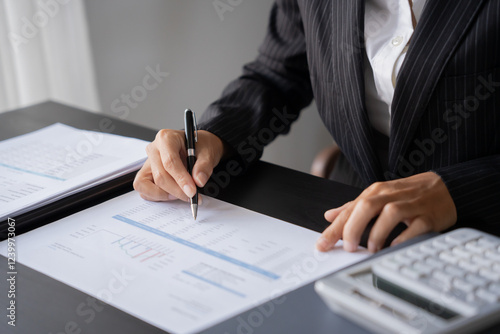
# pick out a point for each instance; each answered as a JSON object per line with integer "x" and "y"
{"x": 203, "y": 168}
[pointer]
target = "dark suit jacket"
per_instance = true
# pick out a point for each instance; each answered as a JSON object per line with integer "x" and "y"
{"x": 446, "y": 107}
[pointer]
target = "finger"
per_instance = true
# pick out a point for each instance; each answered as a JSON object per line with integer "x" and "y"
{"x": 154, "y": 193}
{"x": 173, "y": 165}
{"x": 331, "y": 214}
{"x": 203, "y": 167}
{"x": 162, "y": 179}
{"x": 143, "y": 183}
{"x": 364, "y": 209}
{"x": 416, "y": 227}
{"x": 392, "y": 214}
{"x": 332, "y": 234}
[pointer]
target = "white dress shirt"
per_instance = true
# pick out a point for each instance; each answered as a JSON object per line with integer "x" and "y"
{"x": 388, "y": 29}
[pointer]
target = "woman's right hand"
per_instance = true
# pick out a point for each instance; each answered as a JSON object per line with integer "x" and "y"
{"x": 164, "y": 176}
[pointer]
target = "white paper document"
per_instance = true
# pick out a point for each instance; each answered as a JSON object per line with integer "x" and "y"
{"x": 45, "y": 165}
{"x": 152, "y": 260}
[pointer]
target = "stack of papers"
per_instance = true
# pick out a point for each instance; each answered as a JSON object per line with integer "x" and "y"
{"x": 57, "y": 161}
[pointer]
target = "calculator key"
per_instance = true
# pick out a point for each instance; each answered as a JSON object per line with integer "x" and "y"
{"x": 440, "y": 244}
{"x": 411, "y": 273}
{"x": 462, "y": 285}
{"x": 442, "y": 277}
{"x": 486, "y": 243}
{"x": 461, "y": 252}
{"x": 402, "y": 259}
{"x": 495, "y": 288}
{"x": 491, "y": 275}
{"x": 459, "y": 237}
{"x": 415, "y": 254}
{"x": 476, "y": 280}
{"x": 423, "y": 268}
{"x": 474, "y": 299}
{"x": 473, "y": 247}
{"x": 435, "y": 263}
{"x": 391, "y": 264}
{"x": 449, "y": 257}
{"x": 481, "y": 261}
{"x": 455, "y": 271}
{"x": 495, "y": 256}
{"x": 469, "y": 266}
{"x": 496, "y": 267}
{"x": 487, "y": 296}
{"x": 427, "y": 248}
{"x": 438, "y": 285}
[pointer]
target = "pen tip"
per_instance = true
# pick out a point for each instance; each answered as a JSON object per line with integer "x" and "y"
{"x": 194, "y": 210}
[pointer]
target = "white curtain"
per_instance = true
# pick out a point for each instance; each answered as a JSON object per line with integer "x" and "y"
{"x": 45, "y": 54}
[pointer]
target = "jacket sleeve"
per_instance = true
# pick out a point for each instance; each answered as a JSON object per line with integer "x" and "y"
{"x": 475, "y": 188}
{"x": 269, "y": 95}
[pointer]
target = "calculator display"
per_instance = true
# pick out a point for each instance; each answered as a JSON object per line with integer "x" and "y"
{"x": 414, "y": 299}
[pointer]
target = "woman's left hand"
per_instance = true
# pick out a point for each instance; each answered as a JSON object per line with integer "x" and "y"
{"x": 421, "y": 201}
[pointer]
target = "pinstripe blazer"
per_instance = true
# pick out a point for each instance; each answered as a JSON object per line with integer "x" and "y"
{"x": 445, "y": 111}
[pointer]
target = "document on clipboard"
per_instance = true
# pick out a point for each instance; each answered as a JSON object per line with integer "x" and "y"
{"x": 44, "y": 166}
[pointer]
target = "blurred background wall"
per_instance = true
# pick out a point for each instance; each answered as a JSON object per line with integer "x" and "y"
{"x": 200, "y": 47}
{"x": 45, "y": 53}
{"x": 150, "y": 59}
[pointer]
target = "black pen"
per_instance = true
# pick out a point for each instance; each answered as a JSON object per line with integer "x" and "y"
{"x": 191, "y": 131}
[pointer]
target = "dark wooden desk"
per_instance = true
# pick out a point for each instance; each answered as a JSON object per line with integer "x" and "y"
{"x": 276, "y": 191}
{"x": 45, "y": 305}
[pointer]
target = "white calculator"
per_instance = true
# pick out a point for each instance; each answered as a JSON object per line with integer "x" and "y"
{"x": 446, "y": 284}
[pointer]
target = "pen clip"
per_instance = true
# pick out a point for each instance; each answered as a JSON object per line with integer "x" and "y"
{"x": 195, "y": 128}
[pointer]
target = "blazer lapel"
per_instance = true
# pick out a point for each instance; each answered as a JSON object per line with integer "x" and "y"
{"x": 441, "y": 27}
{"x": 351, "y": 120}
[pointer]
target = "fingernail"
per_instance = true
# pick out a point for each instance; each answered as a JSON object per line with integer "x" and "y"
{"x": 323, "y": 245}
{"x": 202, "y": 178}
{"x": 189, "y": 191}
{"x": 350, "y": 246}
{"x": 171, "y": 197}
